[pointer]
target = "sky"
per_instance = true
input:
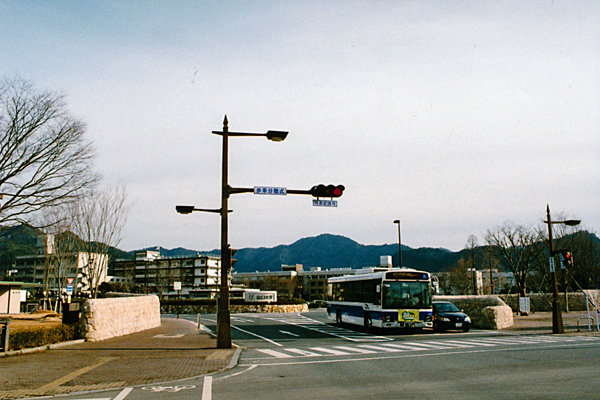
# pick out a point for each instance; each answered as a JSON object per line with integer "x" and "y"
{"x": 453, "y": 117}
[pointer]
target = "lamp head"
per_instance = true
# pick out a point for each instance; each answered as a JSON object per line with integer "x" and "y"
{"x": 276, "y": 136}
{"x": 184, "y": 209}
{"x": 572, "y": 222}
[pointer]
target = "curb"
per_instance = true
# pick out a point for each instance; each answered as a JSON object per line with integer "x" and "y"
{"x": 41, "y": 348}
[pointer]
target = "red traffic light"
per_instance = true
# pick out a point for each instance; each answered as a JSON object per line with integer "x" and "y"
{"x": 327, "y": 191}
{"x": 567, "y": 258}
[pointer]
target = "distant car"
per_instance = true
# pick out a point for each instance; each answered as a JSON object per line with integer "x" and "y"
{"x": 446, "y": 316}
{"x": 317, "y": 304}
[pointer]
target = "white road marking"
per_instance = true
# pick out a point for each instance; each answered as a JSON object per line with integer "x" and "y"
{"x": 123, "y": 394}
{"x": 274, "y": 353}
{"x": 207, "y": 388}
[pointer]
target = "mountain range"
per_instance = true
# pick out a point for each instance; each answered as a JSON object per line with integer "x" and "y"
{"x": 328, "y": 251}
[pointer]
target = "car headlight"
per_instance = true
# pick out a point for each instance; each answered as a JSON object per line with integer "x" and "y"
{"x": 467, "y": 319}
{"x": 446, "y": 319}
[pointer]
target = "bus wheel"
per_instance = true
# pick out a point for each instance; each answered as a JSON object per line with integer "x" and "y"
{"x": 338, "y": 317}
{"x": 368, "y": 322}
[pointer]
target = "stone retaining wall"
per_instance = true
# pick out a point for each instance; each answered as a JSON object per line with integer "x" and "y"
{"x": 540, "y": 302}
{"x": 105, "y": 318}
{"x": 486, "y": 312}
{"x": 236, "y": 309}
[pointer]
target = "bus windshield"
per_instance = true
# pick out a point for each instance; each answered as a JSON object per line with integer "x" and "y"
{"x": 398, "y": 294}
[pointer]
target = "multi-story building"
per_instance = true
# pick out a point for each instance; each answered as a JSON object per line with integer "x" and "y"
{"x": 58, "y": 272}
{"x": 291, "y": 281}
{"x": 198, "y": 276}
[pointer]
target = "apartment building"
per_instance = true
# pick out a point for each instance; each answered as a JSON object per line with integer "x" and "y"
{"x": 199, "y": 276}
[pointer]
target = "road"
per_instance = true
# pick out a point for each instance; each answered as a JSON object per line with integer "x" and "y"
{"x": 304, "y": 356}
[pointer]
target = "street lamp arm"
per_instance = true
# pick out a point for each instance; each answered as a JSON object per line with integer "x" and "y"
{"x": 569, "y": 222}
{"x": 275, "y": 136}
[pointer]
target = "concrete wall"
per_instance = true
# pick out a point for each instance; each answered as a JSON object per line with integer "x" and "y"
{"x": 105, "y": 318}
{"x": 540, "y": 302}
{"x": 486, "y": 312}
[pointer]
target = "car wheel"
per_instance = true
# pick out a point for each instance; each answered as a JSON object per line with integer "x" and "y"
{"x": 437, "y": 327}
{"x": 466, "y": 328}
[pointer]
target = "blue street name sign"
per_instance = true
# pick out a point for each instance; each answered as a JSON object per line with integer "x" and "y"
{"x": 325, "y": 203}
{"x": 279, "y": 191}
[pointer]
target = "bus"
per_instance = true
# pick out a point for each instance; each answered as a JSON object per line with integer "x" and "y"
{"x": 381, "y": 298}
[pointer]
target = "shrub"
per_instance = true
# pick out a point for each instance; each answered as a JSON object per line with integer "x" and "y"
{"x": 40, "y": 336}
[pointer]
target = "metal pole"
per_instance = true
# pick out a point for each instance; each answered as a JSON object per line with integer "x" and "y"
{"x": 399, "y": 244}
{"x": 223, "y": 317}
{"x": 557, "y": 322}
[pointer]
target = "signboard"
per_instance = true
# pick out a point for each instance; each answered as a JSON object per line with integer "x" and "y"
{"x": 177, "y": 285}
{"x": 524, "y": 305}
{"x": 69, "y": 281}
{"x": 551, "y": 264}
{"x": 260, "y": 296}
{"x": 279, "y": 191}
{"x": 325, "y": 203}
{"x": 69, "y": 289}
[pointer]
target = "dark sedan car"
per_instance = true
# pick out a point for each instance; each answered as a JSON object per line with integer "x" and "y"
{"x": 446, "y": 316}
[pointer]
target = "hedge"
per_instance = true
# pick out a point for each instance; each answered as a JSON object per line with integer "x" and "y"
{"x": 28, "y": 338}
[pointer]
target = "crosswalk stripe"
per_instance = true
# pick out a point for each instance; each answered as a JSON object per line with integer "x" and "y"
{"x": 303, "y": 352}
{"x": 404, "y": 347}
{"x": 380, "y": 348}
{"x": 473, "y": 343}
{"x": 330, "y": 351}
{"x": 356, "y": 349}
{"x": 449, "y": 344}
{"x": 274, "y": 353}
{"x": 416, "y": 346}
{"x": 423, "y": 344}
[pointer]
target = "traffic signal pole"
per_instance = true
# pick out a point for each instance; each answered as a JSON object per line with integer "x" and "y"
{"x": 557, "y": 322}
{"x": 224, "y": 317}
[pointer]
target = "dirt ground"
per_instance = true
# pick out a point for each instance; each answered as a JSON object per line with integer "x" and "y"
{"x": 33, "y": 320}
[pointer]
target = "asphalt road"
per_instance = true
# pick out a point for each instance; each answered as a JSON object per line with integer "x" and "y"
{"x": 291, "y": 356}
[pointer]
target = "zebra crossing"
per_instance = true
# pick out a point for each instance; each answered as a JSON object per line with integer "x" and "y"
{"x": 327, "y": 329}
{"x": 421, "y": 345}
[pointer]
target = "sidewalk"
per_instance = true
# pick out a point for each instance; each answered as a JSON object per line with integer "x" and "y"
{"x": 175, "y": 350}
{"x": 541, "y": 322}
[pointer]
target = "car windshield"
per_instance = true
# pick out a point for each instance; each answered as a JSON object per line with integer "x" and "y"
{"x": 445, "y": 307}
{"x": 406, "y": 294}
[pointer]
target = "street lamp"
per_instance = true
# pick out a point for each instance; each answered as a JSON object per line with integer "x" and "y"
{"x": 557, "y": 322}
{"x": 223, "y": 316}
{"x": 399, "y": 244}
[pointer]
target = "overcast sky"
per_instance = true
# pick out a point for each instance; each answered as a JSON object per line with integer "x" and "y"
{"x": 452, "y": 116}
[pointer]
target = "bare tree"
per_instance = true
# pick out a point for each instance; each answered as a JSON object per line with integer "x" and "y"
{"x": 59, "y": 249}
{"x": 518, "y": 249}
{"x": 472, "y": 244}
{"x": 459, "y": 278}
{"x": 44, "y": 159}
{"x": 99, "y": 222}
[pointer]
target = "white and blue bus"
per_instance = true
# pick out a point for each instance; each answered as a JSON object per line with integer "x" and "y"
{"x": 388, "y": 298}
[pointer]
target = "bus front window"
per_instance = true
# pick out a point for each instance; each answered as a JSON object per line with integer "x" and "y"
{"x": 397, "y": 294}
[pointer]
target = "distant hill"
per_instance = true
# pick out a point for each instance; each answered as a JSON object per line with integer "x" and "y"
{"x": 328, "y": 251}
